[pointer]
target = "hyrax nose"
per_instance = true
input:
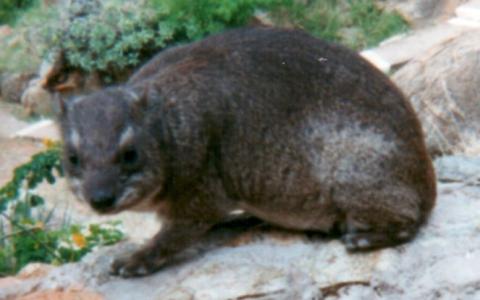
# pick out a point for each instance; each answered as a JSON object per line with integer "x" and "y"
{"x": 102, "y": 200}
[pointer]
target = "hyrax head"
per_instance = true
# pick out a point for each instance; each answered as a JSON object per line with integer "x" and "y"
{"x": 106, "y": 149}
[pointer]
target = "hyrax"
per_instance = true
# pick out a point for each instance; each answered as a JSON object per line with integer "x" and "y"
{"x": 295, "y": 131}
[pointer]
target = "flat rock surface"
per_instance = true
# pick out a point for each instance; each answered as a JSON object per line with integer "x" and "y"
{"x": 9, "y": 123}
{"x": 441, "y": 263}
{"x": 459, "y": 168}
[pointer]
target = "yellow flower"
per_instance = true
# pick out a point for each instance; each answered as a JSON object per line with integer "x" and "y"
{"x": 79, "y": 240}
{"x": 49, "y": 143}
{"x": 39, "y": 225}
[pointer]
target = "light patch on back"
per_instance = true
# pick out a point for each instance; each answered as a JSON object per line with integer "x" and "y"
{"x": 77, "y": 100}
{"x": 351, "y": 154}
{"x": 75, "y": 139}
{"x": 133, "y": 95}
{"x": 126, "y": 137}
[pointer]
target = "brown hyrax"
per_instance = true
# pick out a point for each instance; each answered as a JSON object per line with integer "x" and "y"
{"x": 295, "y": 131}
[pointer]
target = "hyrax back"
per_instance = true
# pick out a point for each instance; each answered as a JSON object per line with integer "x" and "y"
{"x": 298, "y": 132}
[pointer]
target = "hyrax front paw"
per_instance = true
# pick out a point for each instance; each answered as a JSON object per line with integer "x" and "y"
{"x": 136, "y": 266}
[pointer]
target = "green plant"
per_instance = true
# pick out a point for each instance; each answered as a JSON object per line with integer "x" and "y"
{"x": 109, "y": 38}
{"x": 184, "y": 20}
{"x": 119, "y": 34}
{"x": 22, "y": 50}
{"x": 9, "y": 9}
{"x": 27, "y": 233}
{"x": 375, "y": 25}
{"x": 356, "y": 23}
{"x": 112, "y": 37}
{"x": 320, "y": 18}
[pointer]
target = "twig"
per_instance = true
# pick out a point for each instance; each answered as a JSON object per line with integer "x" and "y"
{"x": 49, "y": 249}
{"x": 259, "y": 295}
{"x": 332, "y": 290}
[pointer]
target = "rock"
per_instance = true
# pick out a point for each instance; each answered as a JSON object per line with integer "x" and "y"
{"x": 42, "y": 130}
{"x": 34, "y": 270}
{"x": 443, "y": 260}
{"x": 62, "y": 295}
{"x": 9, "y": 124}
{"x": 5, "y": 31}
{"x": 420, "y": 13}
{"x": 469, "y": 11}
{"x": 36, "y": 100}
{"x": 395, "y": 52}
{"x": 13, "y": 86}
{"x": 443, "y": 86}
{"x": 458, "y": 169}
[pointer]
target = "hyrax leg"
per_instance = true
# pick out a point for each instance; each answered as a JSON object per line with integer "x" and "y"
{"x": 382, "y": 220}
{"x": 174, "y": 237}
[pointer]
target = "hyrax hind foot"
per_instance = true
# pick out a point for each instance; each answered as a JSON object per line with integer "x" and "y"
{"x": 364, "y": 241}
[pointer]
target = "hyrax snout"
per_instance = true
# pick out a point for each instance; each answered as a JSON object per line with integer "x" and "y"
{"x": 295, "y": 131}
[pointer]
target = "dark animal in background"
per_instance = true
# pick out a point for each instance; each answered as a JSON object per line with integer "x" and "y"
{"x": 298, "y": 132}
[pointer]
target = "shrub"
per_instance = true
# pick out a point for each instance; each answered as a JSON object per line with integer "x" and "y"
{"x": 109, "y": 38}
{"x": 22, "y": 51}
{"x": 112, "y": 37}
{"x": 119, "y": 34}
{"x": 9, "y": 9}
{"x": 27, "y": 233}
{"x": 375, "y": 25}
{"x": 355, "y": 23}
{"x": 184, "y": 20}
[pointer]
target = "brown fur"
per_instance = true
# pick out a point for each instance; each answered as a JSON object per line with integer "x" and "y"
{"x": 300, "y": 133}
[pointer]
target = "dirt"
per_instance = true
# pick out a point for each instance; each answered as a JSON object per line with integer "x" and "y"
{"x": 13, "y": 151}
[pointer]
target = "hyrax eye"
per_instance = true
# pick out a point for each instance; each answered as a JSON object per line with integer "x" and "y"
{"x": 129, "y": 157}
{"x": 74, "y": 160}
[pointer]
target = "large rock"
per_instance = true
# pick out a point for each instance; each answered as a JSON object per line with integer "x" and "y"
{"x": 444, "y": 87}
{"x": 423, "y": 12}
{"x": 13, "y": 85}
{"x": 458, "y": 169}
{"x": 441, "y": 263}
{"x": 36, "y": 100}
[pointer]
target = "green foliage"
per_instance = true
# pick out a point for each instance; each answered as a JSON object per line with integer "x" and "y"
{"x": 375, "y": 25}
{"x": 9, "y": 9}
{"x": 186, "y": 20}
{"x": 119, "y": 34}
{"x": 109, "y": 39}
{"x": 22, "y": 51}
{"x": 321, "y": 18}
{"x": 112, "y": 37}
{"x": 355, "y": 23}
{"x": 26, "y": 230}
{"x": 30, "y": 175}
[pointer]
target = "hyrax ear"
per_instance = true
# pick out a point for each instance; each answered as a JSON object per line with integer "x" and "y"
{"x": 137, "y": 97}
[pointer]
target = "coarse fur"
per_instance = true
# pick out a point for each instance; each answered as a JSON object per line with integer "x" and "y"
{"x": 295, "y": 131}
